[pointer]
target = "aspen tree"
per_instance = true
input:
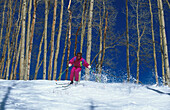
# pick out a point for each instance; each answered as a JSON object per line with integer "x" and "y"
{"x": 52, "y": 42}
{"x": 162, "y": 53}
{"x": 8, "y": 36}
{"x": 127, "y": 43}
{"x": 160, "y": 7}
{"x": 45, "y": 39}
{"x": 23, "y": 40}
{"x": 31, "y": 38}
{"x": 58, "y": 41}
{"x": 83, "y": 24}
{"x": 2, "y": 23}
{"x": 69, "y": 36}
{"x": 89, "y": 37}
{"x": 28, "y": 38}
{"x": 153, "y": 40}
{"x": 38, "y": 58}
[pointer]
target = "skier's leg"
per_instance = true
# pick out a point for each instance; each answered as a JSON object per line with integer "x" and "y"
{"x": 77, "y": 74}
{"x": 72, "y": 73}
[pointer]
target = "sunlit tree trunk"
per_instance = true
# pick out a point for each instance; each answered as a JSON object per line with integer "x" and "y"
{"x": 38, "y": 58}
{"x": 64, "y": 50}
{"x": 84, "y": 16}
{"x": 162, "y": 53}
{"x": 18, "y": 27}
{"x": 153, "y": 39}
{"x": 89, "y": 38}
{"x": 31, "y": 38}
{"x": 8, "y": 36}
{"x": 45, "y": 39}
{"x": 160, "y": 7}
{"x": 28, "y": 38}
{"x": 2, "y": 23}
{"x": 23, "y": 40}
{"x": 139, "y": 38}
{"x": 52, "y": 42}
{"x": 127, "y": 43}
{"x": 168, "y": 3}
{"x": 58, "y": 41}
{"x": 69, "y": 37}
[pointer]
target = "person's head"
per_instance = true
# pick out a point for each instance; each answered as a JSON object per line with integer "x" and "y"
{"x": 79, "y": 55}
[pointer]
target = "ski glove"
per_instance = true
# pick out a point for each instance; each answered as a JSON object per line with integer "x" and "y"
{"x": 69, "y": 65}
{"x": 89, "y": 67}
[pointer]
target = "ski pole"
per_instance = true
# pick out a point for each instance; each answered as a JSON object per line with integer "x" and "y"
{"x": 62, "y": 73}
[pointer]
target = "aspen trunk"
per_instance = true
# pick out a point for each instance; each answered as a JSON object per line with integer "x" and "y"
{"x": 8, "y": 36}
{"x": 45, "y": 40}
{"x": 38, "y": 58}
{"x": 162, "y": 53}
{"x": 31, "y": 38}
{"x": 69, "y": 37}
{"x": 137, "y": 25}
{"x": 85, "y": 10}
{"x": 89, "y": 38}
{"x": 64, "y": 50}
{"x": 16, "y": 42}
{"x": 17, "y": 60}
{"x": 153, "y": 40}
{"x": 127, "y": 43}
{"x": 164, "y": 41}
{"x": 23, "y": 40}
{"x": 2, "y": 23}
{"x": 104, "y": 43}
{"x": 28, "y": 38}
{"x": 52, "y": 41}
{"x": 168, "y": 3}
{"x": 58, "y": 41}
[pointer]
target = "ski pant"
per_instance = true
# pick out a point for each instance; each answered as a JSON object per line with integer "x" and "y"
{"x": 75, "y": 72}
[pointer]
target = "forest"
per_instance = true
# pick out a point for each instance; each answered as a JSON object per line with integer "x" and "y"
{"x": 126, "y": 40}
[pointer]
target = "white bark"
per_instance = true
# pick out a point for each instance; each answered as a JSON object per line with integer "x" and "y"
{"x": 89, "y": 37}
{"x": 58, "y": 41}
{"x": 153, "y": 40}
{"x": 28, "y": 38}
{"x": 164, "y": 41}
{"x": 23, "y": 40}
{"x": 45, "y": 40}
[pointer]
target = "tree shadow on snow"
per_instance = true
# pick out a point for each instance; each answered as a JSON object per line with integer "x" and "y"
{"x": 160, "y": 92}
{"x": 92, "y": 106}
{"x": 3, "y": 103}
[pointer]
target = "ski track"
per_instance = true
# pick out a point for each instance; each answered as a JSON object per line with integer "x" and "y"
{"x": 43, "y": 95}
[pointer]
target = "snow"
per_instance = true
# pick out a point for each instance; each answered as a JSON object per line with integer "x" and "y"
{"x": 87, "y": 95}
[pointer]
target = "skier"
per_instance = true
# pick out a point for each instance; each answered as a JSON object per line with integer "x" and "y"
{"x": 78, "y": 62}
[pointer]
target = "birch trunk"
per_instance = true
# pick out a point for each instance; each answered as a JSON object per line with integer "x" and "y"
{"x": 153, "y": 40}
{"x": 16, "y": 42}
{"x": 31, "y": 38}
{"x": 28, "y": 38}
{"x": 2, "y": 23}
{"x": 137, "y": 25}
{"x": 17, "y": 60}
{"x": 164, "y": 41}
{"x": 64, "y": 50}
{"x": 38, "y": 58}
{"x": 69, "y": 37}
{"x": 58, "y": 41}
{"x": 23, "y": 40}
{"x": 168, "y": 3}
{"x": 9, "y": 32}
{"x": 45, "y": 40}
{"x": 127, "y": 43}
{"x": 85, "y": 10}
{"x": 52, "y": 42}
{"x": 89, "y": 38}
{"x": 162, "y": 53}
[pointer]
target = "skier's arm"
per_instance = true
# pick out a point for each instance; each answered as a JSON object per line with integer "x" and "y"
{"x": 86, "y": 64}
{"x": 71, "y": 61}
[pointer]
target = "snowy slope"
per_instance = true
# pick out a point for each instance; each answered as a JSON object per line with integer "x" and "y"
{"x": 46, "y": 95}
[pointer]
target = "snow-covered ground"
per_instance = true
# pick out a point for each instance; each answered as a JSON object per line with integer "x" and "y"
{"x": 88, "y": 95}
